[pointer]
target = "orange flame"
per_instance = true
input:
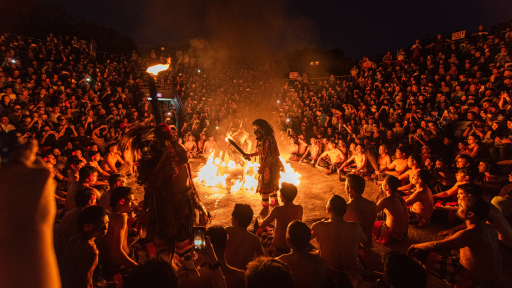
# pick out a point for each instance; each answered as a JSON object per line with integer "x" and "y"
{"x": 157, "y": 68}
{"x": 216, "y": 171}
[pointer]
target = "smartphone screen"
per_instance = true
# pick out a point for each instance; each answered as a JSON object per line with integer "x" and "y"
{"x": 199, "y": 238}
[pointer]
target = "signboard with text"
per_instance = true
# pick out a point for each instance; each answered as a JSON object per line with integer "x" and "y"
{"x": 459, "y": 35}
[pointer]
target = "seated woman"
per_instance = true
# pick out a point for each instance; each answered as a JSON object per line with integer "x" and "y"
{"x": 489, "y": 179}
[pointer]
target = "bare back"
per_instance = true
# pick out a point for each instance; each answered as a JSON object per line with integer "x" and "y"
{"x": 241, "y": 248}
{"x": 396, "y": 211}
{"x": 283, "y": 216}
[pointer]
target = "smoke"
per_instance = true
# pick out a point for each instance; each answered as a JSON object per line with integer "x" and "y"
{"x": 237, "y": 30}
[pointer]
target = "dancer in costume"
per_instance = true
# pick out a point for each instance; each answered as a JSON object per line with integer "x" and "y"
{"x": 270, "y": 165}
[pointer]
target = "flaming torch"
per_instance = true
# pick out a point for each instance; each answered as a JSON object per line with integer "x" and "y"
{"x": 236, "y": 147}
{"x": 153, "y": 71}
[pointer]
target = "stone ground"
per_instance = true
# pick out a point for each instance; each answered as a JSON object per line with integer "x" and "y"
{"x": 314, "y": 191}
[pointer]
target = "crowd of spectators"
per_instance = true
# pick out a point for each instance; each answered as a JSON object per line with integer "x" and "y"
{"x": 431, "y": 126}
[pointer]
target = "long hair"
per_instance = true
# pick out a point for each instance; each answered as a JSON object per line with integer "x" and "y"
{"x": 264, "y": 125}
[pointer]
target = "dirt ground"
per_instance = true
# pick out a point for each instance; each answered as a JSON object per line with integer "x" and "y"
{"x": 314, "y": 191}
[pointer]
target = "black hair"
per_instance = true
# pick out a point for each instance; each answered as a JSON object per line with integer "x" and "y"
{"x": 86, "y": 172}
{"x": 73, "y": 160}
{"x": 90, "y": 215}
{"x": 393, "y": 182}
{"x": 403, "y": 272}
{"x": 113, "y": 178}
{"x": 118, "y": 193}
{"x": 269, "y": 273}
{"x": 471, "y": 189}
{"x": 468, "y": 158}
{"x": 405, "y": 150}
{"x": 424, "y": 175}
{"x": 338, "y": 205}
{"x": 416, "y": 157}
{"x": 288, "y": 191}
{"x": 218, "y": 238}
{"x": 83, "y": 196}
{"x": 264, "y": 125}
{"x": 299, "y": 234}
{"x": 469, "y": 171}
{"x": 356, "y": 182}
{"x": 155, "y": 273}
{"x": 243, "y": 214}
{"x": 478, "y": 206}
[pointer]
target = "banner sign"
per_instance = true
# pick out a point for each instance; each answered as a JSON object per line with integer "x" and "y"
{"x": 459, "y": 35}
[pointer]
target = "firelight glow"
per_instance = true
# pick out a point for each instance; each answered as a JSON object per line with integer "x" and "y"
{"x": 157, "y": 68}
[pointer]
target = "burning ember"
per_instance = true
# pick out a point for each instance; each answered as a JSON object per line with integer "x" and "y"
{"x": 222, "y": 174}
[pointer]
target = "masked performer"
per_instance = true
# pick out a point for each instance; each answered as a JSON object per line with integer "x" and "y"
{"x": 270, "y": 165}
{"x": 241, "y": 137}
{"x": 171, "y": 200}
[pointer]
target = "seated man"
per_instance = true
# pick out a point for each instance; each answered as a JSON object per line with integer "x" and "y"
{"x": 75, "y": 164}
{"x": 421, "y": 202}
{"x": 191, "y": 147}
{"x": 114, "y": 250}
{"x": 444, "y": 176}
{"x": 339, "y": 240}
{"x": 210, "y": 147}
{"x": 87, "y": 177}
{"x": 313, "y": 150}
{"x": 495, "y": 217}
{"x": 359, "y": 158}
{"x": 395, "y": 227}
{"x": 114, "y": 180}
{"x": 293, "y": 148}
{"x": 68, "y": 226}
{"x": 81, "y": 256}
{"x": 480, "y": 261}
{"x": 242, "y": 246}
{"x": 110, "y": 160}
{"x": 274, "y": 243}
{"x": 384, "y": 161}
{"x": 308, "y": 270}
{"x": 359, "y": 209}
{"x": 414, "y": 163}
{"x": 269, "y": 273}
{"x": 399, "y": 165}
{"x": 95, "y": 158}
{"x": 331, "y": 164}
{"x": 465, "y": 175}
{"x": 234, "y": 277}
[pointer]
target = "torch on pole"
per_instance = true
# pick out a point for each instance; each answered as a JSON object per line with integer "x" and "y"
{"x": 152, "y": 72}
{"x": 237, "y": 147}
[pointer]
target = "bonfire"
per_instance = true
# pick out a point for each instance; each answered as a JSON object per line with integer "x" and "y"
{"x": 225, "y": 173}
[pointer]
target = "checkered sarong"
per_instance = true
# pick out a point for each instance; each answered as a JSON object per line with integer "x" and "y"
{"x": 266, "y": 237}
{"x": 446, "y": 267}
{"x": 416, "y": 220}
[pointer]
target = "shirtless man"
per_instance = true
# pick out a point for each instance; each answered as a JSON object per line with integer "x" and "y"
{"x": 444, "y": 176}
{"x": 399, "y": 166}
{"x": 359, "y": 209}
{"x": 114, "y": 180}
{"x": 75, "y": 165}
{"x": 81, "y": 255}
{"x": 495, "y": 217}
{"x": 242, "y": 246}
{"x": 421, "y": 200}
{"x": 55, "y": 174}
{"x": 308, "y": 270}
{"x": 95, "y": 157}
{"x": 384, "y": 159}
{"x": 464, "y": 176}
{"x": 293, "y": 148}
{"x": 313, "y": 150}
{"x": 200, "y": 143}
{"x": 480, "y": 261}
{"x": 191, "y": 147}
{"x": 359, "y": 159}
{"x": 395, "y": 227}
{"x": 339, "y": 240}
{"x": 336, "y": 158}
{"x": 414, "y": 163}
{"x": 274, "y": 243}
{"x": 109, "y": 161}
{"x": 302, "y": 145}
{"x": 210, "y": 146}
{"x": 113, "y": 247}
{"x": 87, "y": 177}
{"x": 68, "y": 226}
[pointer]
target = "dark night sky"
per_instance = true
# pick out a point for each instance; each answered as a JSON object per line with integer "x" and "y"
{"x": 360, "y": 27}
